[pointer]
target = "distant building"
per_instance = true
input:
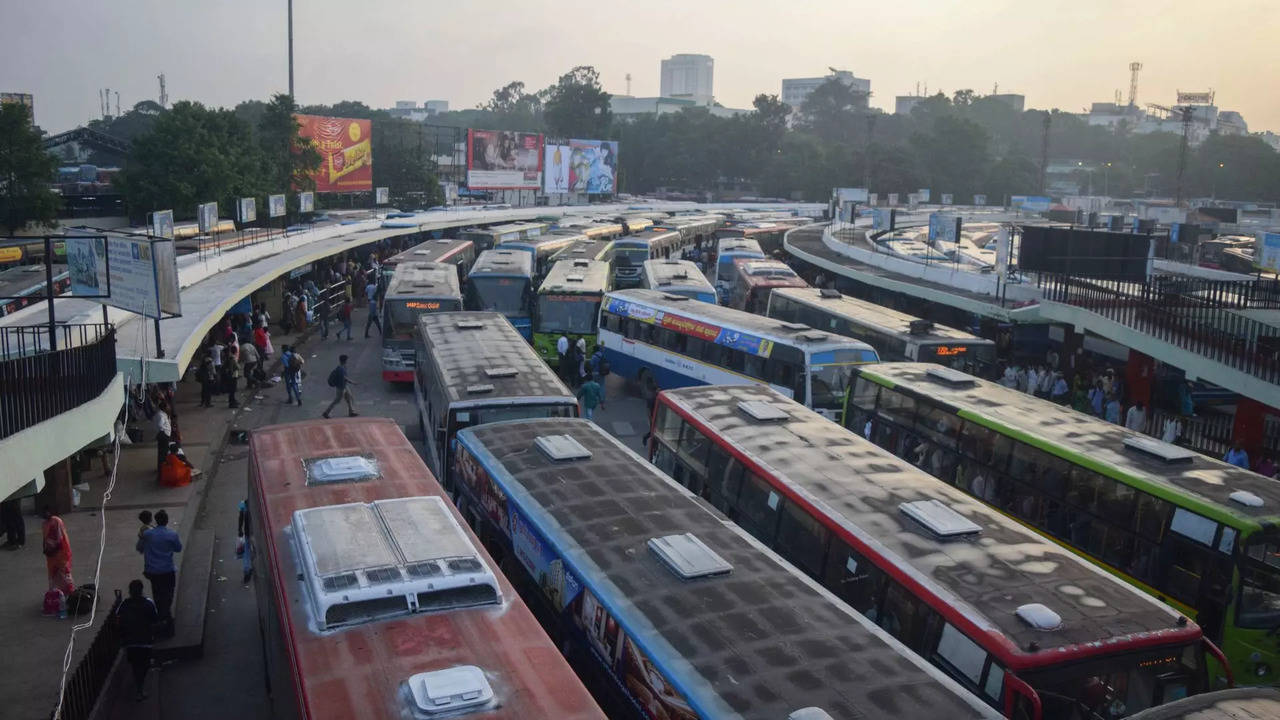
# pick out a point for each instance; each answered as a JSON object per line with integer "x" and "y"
{"x": 409, "y": 110}
{"x": 796, "y": 90}
{"x": 1013, "y": 100}
{"x": 1205, "y": 118}
{"x": 435, "y": 107}
{"x": 405, "y": 105}
{"x": 1231, "y": 122}
{"x": 904, "y": 104}
{"x": 688, "y": 77}
{"x": 626, "y": 106}
{"x": 1269, "y": 138}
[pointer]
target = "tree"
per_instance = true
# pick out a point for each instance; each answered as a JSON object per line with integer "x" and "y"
{"x": 404, "y": 163}
{"x": 831, "y": 111}
{"x": 25, "y": 172}
{"x": 963, "y": 98}
{"x": 289, "y": 160}
{"x": 577, "y": 107}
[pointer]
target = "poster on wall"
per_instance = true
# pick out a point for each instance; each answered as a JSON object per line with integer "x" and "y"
{"x": 275, "y": 205}
{"x": 504, "y": 160}
{"x": 87, "y": 266}
{"x": 162, "y": 223}
{"x": 246, "y": 210}
{"x": 381, "y": 196}
{"x": 346, "y": 151}
{"x": 556, "y": 169}
{"x": 307, "y": 202}
{"x": 593, "y": 166}
{"x": 207, "y": 216}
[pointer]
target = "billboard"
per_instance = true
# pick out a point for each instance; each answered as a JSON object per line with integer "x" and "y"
{"x": 1030, "y": 203}
{"x": 1195, "y": 98}
{"x": 979, "y": 200}
{"x": 207, "y": 216}
{"x": 1080, "y": 252}
{"x": 142, "y": 274}
{"x": 1268, "y": 251}
{"x": 381, "y": 196}
{"x": 555, "y": 168}
{"x": 246, "y": 210}
{"x": 947, "y": 198}
{"x": 504, "y": 160}
{"x": 162, "y": 223}
{"x": 923, "y": 193}
{"x": 858, "y": 195}
{"x": 893, "y": 198}
{"x": 942, "y": 226}
{"x": 275, "y": 205}
{"x": 307, "y": 202}
{"x": 87, "y": 266}
{"x": 593, "y": 166}
{"x": 346, "y": 152}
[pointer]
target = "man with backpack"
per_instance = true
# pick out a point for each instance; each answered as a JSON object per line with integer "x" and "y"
{"x": 339, "y": 381}
{"x": 293, "y": 363}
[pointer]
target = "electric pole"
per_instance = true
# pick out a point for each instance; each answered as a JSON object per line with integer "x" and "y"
{"x": 1182, "y": 151}
{"x": 1044, "y": 151}
{"x": 290, "y": 48}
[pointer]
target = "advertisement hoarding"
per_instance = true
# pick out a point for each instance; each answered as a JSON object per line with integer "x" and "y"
{"x": 504, "y": 160}
{"x": 893, "y": 198}
{"x": 873, "y": 199}
{"x": 346, "y": 152}
{"x": 923, "y": 194}
{"x": 141, "y": 274}
{"x": 947, "y": 198}
{"x": 1195, "y": 98}
{"x": 246, "y": 210}
{"x": 307, "y": 202}
{"x": 593, "y": 166}
{"x": 979, "y": 200}
{"x": 87, "y": 266}
{"x": 841, "y": 195}
{"x": 881, "y": 218}
{"x": 207, "y": 216}
{"x": 275, "y": 205}
{"x": 1030, "y": 203}
{"x": 162, "y": 223}
{"x": 1268, "y": 251}
{"x": 555, "y": 169}
{"x": 381, "y": 196}
{"x": 942, "y": 226}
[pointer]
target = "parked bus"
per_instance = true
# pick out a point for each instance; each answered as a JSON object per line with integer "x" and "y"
{"x": 541, "y": 249}
{"x": 631, "y": 251}
{"x": 568, "y": 304}
{"x": 664, "y": 341}
{"x": 415, "y": 289}
{"x": 459, "y": 253}
{"x": 728, "y": 250}
{"x": 895, "y": 335}
{"x": 491, "y": 237}
{"x": 756, "y": 280}
{"x": 502, "y": 281}
{"x": 584, "y": 248}
{"x": 767, "y": 233}
{"x": 1197, "y": 533}
{"x": 363, "y": 567}
{"x": 664, "y": 609}
{"x": 678, "y": 277}
{"x": 1016, "y": 619}
{"x": 695, "y": 230}
{"x": 474, "y": 368}
{"x": 1244, "y": 703}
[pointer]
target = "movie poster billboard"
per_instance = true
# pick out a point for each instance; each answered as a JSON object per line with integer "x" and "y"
{"x": 555, "y": 169}
{"x": 306, "y": 202}
{"x": 593, "y": 166}
{"x": 207, "y": 216}
{"x": 504, "y": 160}
{"x": 346, "y": 152}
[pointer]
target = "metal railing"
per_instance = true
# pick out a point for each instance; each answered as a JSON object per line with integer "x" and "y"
{"x": 37, "y": 384}
{"x": 1207, "y": 327}
{"x": 87, "y": 682}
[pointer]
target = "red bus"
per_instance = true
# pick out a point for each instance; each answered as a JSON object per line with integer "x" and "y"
{"x": 374, "y": 598}
{"x": 1019, "y": 620}
{"x": 754, "y": 281}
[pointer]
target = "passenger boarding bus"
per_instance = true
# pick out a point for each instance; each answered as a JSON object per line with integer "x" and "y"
{"x": 1197, "y": 533}
{"x": 541, "y": 249}
{"x": 663, "y": 341}
{"x": 678, "y": 277}
{"x": 895, "y": 335}
{"x": 459, "y": 253}
{"x": 631, "y": 251}
{"x": 474, "y": 368}
{"x": 756, "y": 280}
{"x": 568, "y": 305}
{"x": 1015, "y": 618}
{"x": 374, "y": 599}
{"x": 664, "y": 609}
{"x": 490, "y": 237}
{"x": 502, "y": 281}
{"x": 728, "y": 250}
{"x": 415, "y": 289}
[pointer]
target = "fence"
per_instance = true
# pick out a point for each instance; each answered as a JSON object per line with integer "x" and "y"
{"x": 1192, "y": 314}
{"x": 37, "y": 384}
{"x": 86, "y": 683}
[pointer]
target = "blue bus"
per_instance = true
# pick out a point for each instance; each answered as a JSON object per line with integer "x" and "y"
{"x": 728, "y": 250}
{"x": 663, "y": 340}
{"x": 502, "y": 281}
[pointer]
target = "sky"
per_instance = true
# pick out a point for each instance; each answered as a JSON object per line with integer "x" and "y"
{"x": 1058, "y": 53}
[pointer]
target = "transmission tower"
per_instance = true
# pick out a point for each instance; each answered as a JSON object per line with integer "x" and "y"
{"x": 628, "y": 83}
{"x": 164, "y": 96}
{"x": 1134, "y": 67}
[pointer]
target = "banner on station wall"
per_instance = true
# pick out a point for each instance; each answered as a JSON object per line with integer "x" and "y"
{"x": 346, "y": 152}
{"x": 555, "y": 169}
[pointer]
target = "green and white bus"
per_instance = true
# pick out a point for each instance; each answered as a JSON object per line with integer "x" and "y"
{"x": 1197, "y": 533}
{"x": 569, "y": 304}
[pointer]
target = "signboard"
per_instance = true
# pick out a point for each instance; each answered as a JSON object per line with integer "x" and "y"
{"x": 881, "y": 219}
{"x": 1002, "y": 251}
{"x": 923, "y": 194}
{"x": 142, "y": 274}
{"x": 979, "y": 200}
{"x": 873, "y": 199}
{"x": 207, "y": 216}
{"x": 1268, "y": 251}
{"x": 346, "y": 152}
{"x": 893, "y": 198}
{"x": 162, "y": 223}
{"x": 246, "y": 210}
{"x": 381, "y": 196}
{"x": 593, "y": 166}
{"x": 1030, "y": 203}
{"x": 947, "y": 199}
{"x": 275, "y": 205}
{"x": 942, "y": 226}
{"x": 858, "y": 195}
{"x": 1195, "y": 98}
{"x": 87, "y": 266}
{"x": 555, "y": 168}
{"x": 1082, "y": 252}
{"x": 306, "y": 202}
{"x": 504, "y": 160}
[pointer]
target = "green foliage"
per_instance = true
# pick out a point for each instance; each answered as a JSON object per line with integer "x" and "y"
{"x": 576, "y": 106}
{"x": 288, "y": 159}
{"x": 25, "y": 172}
{"x": 403, "y": 163}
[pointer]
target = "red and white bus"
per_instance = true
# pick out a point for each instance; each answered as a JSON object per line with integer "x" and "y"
{"x": 755, "y": 280}
{"x": 374, "y": 598}
{"x": 1019, "y": 620}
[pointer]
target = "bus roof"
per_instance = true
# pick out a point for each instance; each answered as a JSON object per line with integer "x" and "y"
{"x": 503, "y": 263}
{"x": 500, "y": 638}
{"x": 768, "y": 273}
{"x": 760, "y": 641}
{"x": 862, "y": 489}
{"x": 737, "y": 245}
{"x": 676, "y": 273}
{"x": 1242, "y": 703}
{"x": 424, "y": 279}
{"x": 439, "y": 250}
{"x": 572, "y": 276}
{"x": 777, "y": 331}
{"x": 878, "y": 316}
{"x": 484, "y": 360}
{"x": 650, "y": 235}
{"x": 585, "y": 248}
{"x": 1204, "y": 484}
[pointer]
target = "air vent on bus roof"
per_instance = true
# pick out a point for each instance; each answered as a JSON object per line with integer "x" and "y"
{"x": 762, "y": 410}
{"x": 829, "y": 293}
{"x": 469, "y": 325}
{"x": 813, "y": 336}
{"x": 561, "y": 447}
{"x": 575, "y": 277}
{"x": 670, "y": 262}
{"x": 581, "y": 263}
{"x": 1246, "y": 498}
{"x": 941, "y": 520}
{"x": 795, "y": 327}
{"x": 810, "y": 713}
{"x": 673, "y": 297}
{"x": 1038, "y": 616}
{"x": 421, "y": 252}
{"x": 423, "y": 284}
{"x": 948, "y": 376}
{"x": 479, "y": 389}
{"x": 450, "y": 691}
{"x": 1163, "y": 451}
{"x": 688, "y": 557}
{"x": 346, "y": 468}
{"x": 919, "y": 327}
{"x": 501, "y": 372}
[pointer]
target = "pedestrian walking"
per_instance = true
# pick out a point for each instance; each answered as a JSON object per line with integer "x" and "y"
{"x": 231, "y": 378}
{"x": 1112, "y": 410}
{"x": 216, "y": 351}
{"x": 136, "y": 617}
{"x": 650, "y": 401}
{"x": 322, "y": 313}
{"x": 293, "y": 363}
{"x": 144, "y": 523}
{"x": 1267, "y": 467}
{"x": 14, "y": 525}
{"x": 157, "y": 546}
{"x": 244, "y": 542}
{"x": 286, "y": 315}
{"x": 340, "y": 382}
{"x": 251, "y": 363}
{"x": 344, "y": 314}
{"x": 207, "y": 376}
{"x": 371, "y": 294}
{"x": 590, "y": 395}
{"x": 573, "y": 366}
{"x": 164, "y": 434}
{"x": 262, "y": 341}
{"x": 57, "y": 552}
{"x": 562, "y": 349}
{"x": 1172, "y": 430}
{"x": 600, "y": 370}
{"x": 302, "y": 315}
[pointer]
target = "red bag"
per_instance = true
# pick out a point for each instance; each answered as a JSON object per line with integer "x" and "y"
{"x": 53, "y": 602}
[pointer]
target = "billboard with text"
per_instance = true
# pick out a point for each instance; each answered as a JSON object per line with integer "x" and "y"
{"x": 141, "y": 274}
{"x": 346, "y": 152}
{"x": 555, "y": 169}
{"x": 504, "y": 160}
{"x": 593, "y": 166}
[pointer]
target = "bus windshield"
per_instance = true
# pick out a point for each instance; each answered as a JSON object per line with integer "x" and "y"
{"x": 402, "y": 315}
{"x": 830, "y": 374}
{"x": 630, "y": 255}
{"x": 568, "y": 314}
{"x": 1117, "y": 687}
{"x": 1260, "y": 585}
{"x": 506, "y": 295}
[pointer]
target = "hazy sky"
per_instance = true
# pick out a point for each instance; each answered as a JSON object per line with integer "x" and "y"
{"x": 1058, "y": 53}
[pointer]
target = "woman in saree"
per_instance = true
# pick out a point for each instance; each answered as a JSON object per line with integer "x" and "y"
{"x": 57, "y": 552}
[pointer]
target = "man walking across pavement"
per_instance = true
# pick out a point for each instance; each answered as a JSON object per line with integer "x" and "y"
{"x": 340, "y": 382}
{"x": 371, "y": 293}
{"x": 157, "y": 546}
{"x": 344, "y": 314}
{"x": 136, "y": 617}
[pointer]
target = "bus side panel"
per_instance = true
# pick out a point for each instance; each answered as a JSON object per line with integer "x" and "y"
{"x": 627, "y": 358}
{"x": 277, "y": 667}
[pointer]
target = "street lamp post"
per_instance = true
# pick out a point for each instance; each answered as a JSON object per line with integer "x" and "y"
{"x": 1213, "y": 192}
{"x": 1106, "y": 181}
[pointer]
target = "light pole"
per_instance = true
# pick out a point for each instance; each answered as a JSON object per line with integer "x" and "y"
{"x": 1213, "y": 193}
{"x": 291, "y": 48}
{"x": 1106, "y": 181}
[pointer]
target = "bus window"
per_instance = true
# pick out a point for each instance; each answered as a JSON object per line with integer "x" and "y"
{"x": 801, "y": 539}
{"x": 898, "y": 408}
{"x": 668, "y": 426}
{"x": 693, "y": 448}
{"x": 903, "y": 616}
{"x": 758, "y": 506}
{"x": 864, "y": 396}
{"x": 855, "y": 580}
{"x": 961, "y": 654}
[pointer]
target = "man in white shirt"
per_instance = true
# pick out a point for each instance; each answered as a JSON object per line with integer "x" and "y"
{"x": 1136, "y": 418}
{"x": 164, "y": 433}
{"x": 1033, "y": 380}
{"x": 1172, "y": 429}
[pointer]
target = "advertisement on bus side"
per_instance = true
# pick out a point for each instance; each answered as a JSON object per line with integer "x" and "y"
{"x": 504, "y": 160}
{"x": 735, "y": 339}
{"x": 544, "y": 566}
{"x": 492, "y": 499}
{"x": 346, "y": 152}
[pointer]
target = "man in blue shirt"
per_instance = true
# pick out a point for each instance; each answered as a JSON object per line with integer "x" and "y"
{"x": 1237, "y": 455}
{"x": 341, "y": 382}
{"x": 157, "y": 546}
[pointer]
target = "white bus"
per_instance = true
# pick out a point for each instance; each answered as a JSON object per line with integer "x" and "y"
{"x": 678, "y": 277}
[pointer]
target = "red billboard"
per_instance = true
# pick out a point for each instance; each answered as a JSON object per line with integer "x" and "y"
{"x": 346, "y": 152}
{"x": 504, "y": 160}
